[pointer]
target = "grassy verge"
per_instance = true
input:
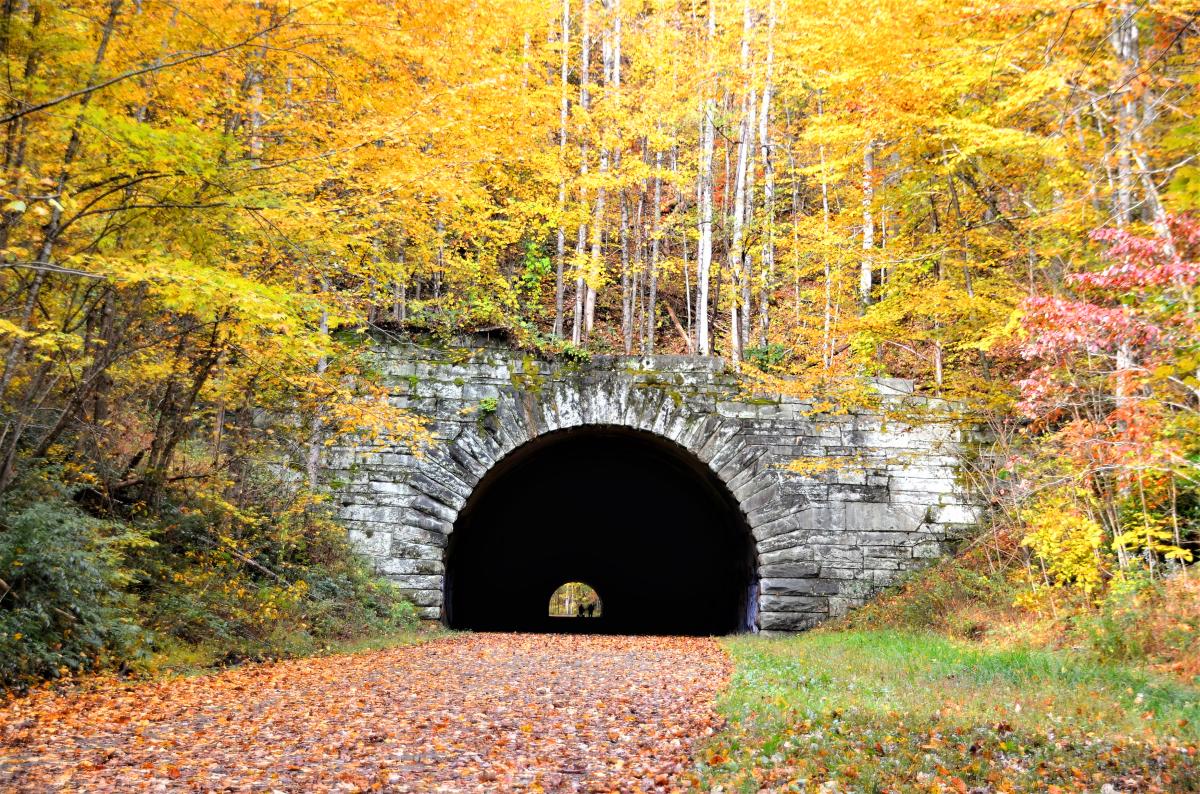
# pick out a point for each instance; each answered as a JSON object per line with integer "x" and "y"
{"x": 896, "y": 711}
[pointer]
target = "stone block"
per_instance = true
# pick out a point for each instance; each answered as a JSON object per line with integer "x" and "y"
{"x": 787, "y": 622}
{"x": 956, "y": 514}
{"x": 884, "y": 517}
{"x": 799, "y": 587}
{"x": 927, "y": 550}
{"x": 434, "y": 508}
{"x": 768, "y": 548}
{"x": 794, "y": 603}
{"x": 372, "y": 543}
{"x": 408, "y": 565}
{"x": 410, "y": 534}
{"x": 835, "y": 571}
{"x": 787, "y": 555}
{"x": 371, "y": 513}
{"x": 416, "y": 581}
{"x": 765, "y": 496}
{"x": 423, "y": 598}
{"x": 411, "y": 551}
{"x": 790, "y": 570}
{"x": 780, "y": 526}
{"x": 838, "y": 554}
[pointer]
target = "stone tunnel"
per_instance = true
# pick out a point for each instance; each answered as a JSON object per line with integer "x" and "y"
{"x": 690, "y": 505}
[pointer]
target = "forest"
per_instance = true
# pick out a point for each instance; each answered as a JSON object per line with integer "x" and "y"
{"x": 210, "y": 208}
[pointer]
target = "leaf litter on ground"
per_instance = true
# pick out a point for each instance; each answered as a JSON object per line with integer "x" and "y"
{"x": 477, "y": 712}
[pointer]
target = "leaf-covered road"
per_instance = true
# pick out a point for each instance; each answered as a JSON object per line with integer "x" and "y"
{"x": 488, "y": 712}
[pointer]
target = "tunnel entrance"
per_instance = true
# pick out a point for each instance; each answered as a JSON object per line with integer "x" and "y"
{"x": 575, "y": 600}
{"x": 634, "y": 515}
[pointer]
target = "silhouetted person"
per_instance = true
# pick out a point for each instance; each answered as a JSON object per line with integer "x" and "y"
{"x": 591, "y": 610}
{"x": 580, "y": 612}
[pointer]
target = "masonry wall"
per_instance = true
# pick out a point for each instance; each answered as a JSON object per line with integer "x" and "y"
{"x": 877, "y": 494}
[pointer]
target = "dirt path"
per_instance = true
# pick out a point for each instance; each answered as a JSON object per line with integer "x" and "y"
{"x": 488, "y": 712}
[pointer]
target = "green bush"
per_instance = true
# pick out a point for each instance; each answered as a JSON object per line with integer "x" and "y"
{"x": 263, "y": 586}
{"x": 951, "y": 596}
{"x": 768, "y": 358}
{"x": 63, "y": 604}
{"x": 194, "y": 585}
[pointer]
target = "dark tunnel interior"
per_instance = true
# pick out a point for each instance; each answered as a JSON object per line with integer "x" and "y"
{"x": 635, "y": 516}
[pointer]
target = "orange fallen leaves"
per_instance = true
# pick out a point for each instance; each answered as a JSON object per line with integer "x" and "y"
{"x": 466, "y": 713}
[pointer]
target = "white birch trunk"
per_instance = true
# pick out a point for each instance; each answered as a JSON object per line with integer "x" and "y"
{"x": 738, "y": 268}
{"x": 627, "y": 306}
{"x": 1124, "y": 40}
{"x": 611, "y": 67}
{"x": 704, "y": 198}
{"x": 563, "y": 110}
{"x": 867, "y": 266}
{"x": 767, "y": 269}
{"x": 827, "y": 328}
{"x": 581, "y": 239}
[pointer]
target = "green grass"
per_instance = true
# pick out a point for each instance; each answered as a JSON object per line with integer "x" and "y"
{"x": 895, "y": 711}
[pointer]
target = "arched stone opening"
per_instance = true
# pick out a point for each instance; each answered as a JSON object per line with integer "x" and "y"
{"x": 635, "y": 515}
{"x": 575, "y": 600}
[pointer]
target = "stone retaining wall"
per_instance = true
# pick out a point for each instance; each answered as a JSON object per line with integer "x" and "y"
{"x": 881, "y": 498}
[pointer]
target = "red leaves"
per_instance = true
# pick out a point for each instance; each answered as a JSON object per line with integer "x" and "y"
{"x": 1058, "y": 325}
{"x": 471, "y": 713}
{"x": 1131, "y": 324}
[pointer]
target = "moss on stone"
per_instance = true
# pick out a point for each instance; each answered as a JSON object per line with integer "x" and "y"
{"x": 530, "y": 378}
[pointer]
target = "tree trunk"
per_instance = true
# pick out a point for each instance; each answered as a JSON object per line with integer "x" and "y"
{"x": 652, "y": 275}
{"x": 611, "y": 57}
{"x": 627, "y": 285}
{"x": 313, "y": 463}
{"x": 866, "y": 272}
{"x": 767, "y": 270}
{"x": 581, "y": 240}
{"x": 736, "y": 251}
{"x": 704, "y": 198}
{"x": 1124, "y": 40}
{"x": 739, "y": 266}
{"x": 827, "y": 326}
{"x": 54, "y": 224}
{"x": 564, "y": 107}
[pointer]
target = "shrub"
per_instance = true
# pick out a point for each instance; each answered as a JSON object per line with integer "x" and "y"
{"x": 958, "y": 595}
{"x": 198, "y": 583}
{"x": 1143, "y": 618}
{"x": 63, "y": 608}
{"x": 768, "y": 358}
{"x": 254, "y": 586}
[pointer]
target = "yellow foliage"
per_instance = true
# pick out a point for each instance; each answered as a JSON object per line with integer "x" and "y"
{"x": 1068, "y": 544}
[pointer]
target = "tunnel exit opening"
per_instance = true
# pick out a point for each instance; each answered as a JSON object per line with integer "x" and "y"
{"x": 638, "y": 518}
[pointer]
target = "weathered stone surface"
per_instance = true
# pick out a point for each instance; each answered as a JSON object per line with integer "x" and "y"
{"x": 805, "y": 587}
{"x": 787, "y": 622}
{"x": 883, "y": 501}
{"x": 790, "y": 570}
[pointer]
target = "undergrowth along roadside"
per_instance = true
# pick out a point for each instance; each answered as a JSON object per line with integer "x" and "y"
{"x": 196, "y": 584}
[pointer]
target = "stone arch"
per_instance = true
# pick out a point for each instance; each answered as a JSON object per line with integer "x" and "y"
{"x": 521, "y": 416}
{"x": 688, "y": 550}
{"x": 883, "y": 499}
